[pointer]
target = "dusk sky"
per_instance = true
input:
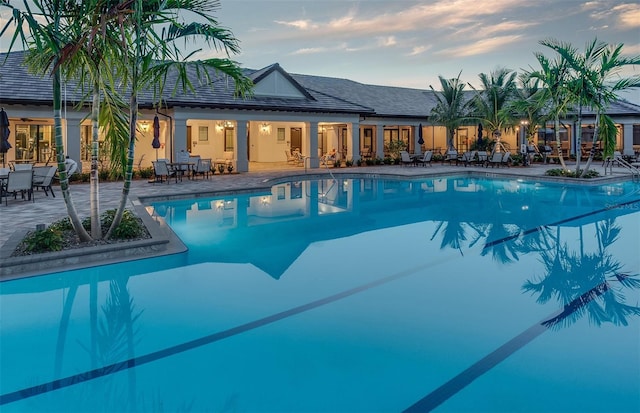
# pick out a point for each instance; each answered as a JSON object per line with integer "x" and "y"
{"x": 409, "y": 43}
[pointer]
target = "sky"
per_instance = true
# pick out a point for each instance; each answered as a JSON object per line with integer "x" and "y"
{"x": 410, "y": 43}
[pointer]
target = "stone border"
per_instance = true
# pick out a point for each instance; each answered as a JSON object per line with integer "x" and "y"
{"x": 163, "y": 241}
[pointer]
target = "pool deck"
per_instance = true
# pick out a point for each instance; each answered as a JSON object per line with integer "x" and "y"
{"x": 19, "y": 216}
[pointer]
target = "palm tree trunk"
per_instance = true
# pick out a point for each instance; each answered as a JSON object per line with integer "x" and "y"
{"x": 559, "y": 143}
{"x": 96, "y": 230}
{"x": 126, "y": 188}
{"x": 594, "y": 142}
{"x": 62, "y": 171}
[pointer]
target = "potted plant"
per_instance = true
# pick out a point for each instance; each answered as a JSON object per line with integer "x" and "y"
{"x": 230, "y": 168}
{"x": 221, "y": 168}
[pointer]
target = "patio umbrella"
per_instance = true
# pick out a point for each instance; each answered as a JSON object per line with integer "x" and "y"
{"x": 4, "y": 135}
{"x": 156, "y": 135}
{"x": 479, "y": 134}
{"x": 420, "y": 140}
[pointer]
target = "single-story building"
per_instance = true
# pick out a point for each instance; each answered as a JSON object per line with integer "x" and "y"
{"x": 287, "y": 112}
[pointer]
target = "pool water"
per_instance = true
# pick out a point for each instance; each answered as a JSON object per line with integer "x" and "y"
{"x": 348, "y": 295}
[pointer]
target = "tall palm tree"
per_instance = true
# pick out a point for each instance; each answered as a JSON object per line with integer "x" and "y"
{"x": 153, "y": 30}
{"x": 528, "y": 106}
{"x": 90, "y": 45}
{"x": 554, "y": 76}
{"x": 452, "y": 109}
{"x": 490, "y": 105}
{"x": 41, "y": 26}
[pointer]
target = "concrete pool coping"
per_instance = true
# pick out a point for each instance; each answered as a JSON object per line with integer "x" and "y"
{"x": 164, "y": 241}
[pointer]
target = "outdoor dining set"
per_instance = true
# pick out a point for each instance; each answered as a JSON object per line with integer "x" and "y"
{"x": 189, "y": 166}
{"x": 24, "y": 179}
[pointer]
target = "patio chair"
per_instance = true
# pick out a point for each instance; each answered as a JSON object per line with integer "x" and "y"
{"x": 426, "y": 159}
{"x": 467, "y": 158}
{"x": 405, "y": 158}
{"x": 43, "y": 178}
{"x": 203, "y": 168}
{"x": 482, "y": 158}
{"x": 161, "y": 171}
{"x": 290, "y": 157}
{"x": 22, "y": 167}
{"x": 495, "y": 159}
{"x": 451, "y": 156}
{"x": 506, "y": 159}
{"x": 18, "y": 181}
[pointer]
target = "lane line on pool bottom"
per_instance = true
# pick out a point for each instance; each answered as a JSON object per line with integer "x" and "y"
{"x": 466, "y": 377}
{"x": 199, "y": 342}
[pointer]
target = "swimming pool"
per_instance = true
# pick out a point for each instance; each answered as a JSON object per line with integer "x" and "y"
{"x": 351, "y": 295}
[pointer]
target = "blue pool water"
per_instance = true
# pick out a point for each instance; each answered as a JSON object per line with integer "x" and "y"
{"x": 348, "y": 295}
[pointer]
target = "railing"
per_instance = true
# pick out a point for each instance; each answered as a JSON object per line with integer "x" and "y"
{"x": 609, "y": 162}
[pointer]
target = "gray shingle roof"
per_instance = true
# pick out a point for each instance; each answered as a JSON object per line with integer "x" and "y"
{"x": 323, "y": 94}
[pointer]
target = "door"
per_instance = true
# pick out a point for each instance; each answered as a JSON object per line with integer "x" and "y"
{"x": 296, "y": 139}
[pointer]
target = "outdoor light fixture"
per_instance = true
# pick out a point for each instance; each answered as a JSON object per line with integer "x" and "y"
{"x": 144, "y": 127}
{"x": 265, "y": 128}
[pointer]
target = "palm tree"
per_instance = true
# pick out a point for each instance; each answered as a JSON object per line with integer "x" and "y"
{"x": 490, "y": 105}
{"x": 42, "y": 26}
{"x": 554, "y": 76}
{"x": 528, "y": 105}
{"x": 452, "y": 110}
{"x": 90, "y": 45}
{"x": 150, "y": 56}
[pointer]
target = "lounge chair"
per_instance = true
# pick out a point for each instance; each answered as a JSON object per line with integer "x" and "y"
{"x": 451, "y": 156}
{"x": 18, "y": 181}
{"x": 426, "y": 159}
{"x": 495, "y": 159}
{"x": 506, "y": 159}
{"x": 43, "y": 178}
{"x": 405, "y": 158}
{"x": 482, "y": 158}
{"x": 467, "y": 158}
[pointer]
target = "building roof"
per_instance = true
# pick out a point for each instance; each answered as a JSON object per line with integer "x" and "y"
{"x": 317, "y": 94}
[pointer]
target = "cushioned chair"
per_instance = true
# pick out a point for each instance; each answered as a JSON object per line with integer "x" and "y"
{"x": 18, "y": 181}
{"x": 495, "y": 159}
{"x": 405, "y": 158}
{"x": 43, "y": 178}
{"x": 426, "y": 159}
{"x": 161, "y": 171}
{"x": 203, "y": 168}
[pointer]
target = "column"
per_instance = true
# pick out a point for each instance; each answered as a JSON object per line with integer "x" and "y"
{"x": 353, "y": 146}
{"x": 242, "y": 161}
{"x": 312, "y": 144}
{"x": 179, "y": 138}
{"x": 379, "y": 141}
{"x": 627, "y": 138}
{"x": 72, "y": 146}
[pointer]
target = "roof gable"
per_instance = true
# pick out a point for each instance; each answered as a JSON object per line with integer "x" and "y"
{"x": 274, "y": 81}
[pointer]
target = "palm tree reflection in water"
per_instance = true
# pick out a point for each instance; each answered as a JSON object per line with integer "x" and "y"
{"x": 591, "y": 284}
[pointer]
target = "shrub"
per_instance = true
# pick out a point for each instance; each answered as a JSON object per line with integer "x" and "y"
{"x": 348, "y": 163}
{"x": 49, "y": 239}
{"x": 572, "y": 174}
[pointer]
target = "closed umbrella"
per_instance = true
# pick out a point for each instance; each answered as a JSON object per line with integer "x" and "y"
{"x": 4, "y": 135}
{"x": 420, "y": 140}
{"x": 480, "y": 134}
{"x": 156, "y": 135}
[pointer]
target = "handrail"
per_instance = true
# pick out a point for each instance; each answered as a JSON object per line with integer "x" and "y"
{"x": 635, "y": 172}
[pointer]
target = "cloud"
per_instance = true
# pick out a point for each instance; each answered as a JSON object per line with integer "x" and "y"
{"x": 417, "y": 50}
{"x": 298, "y": 24}
{"x": 628, "y": 15}
{"x": 480, "y": 47}
{"x": 387, "y": 41}
{"x": 624, "y": 16}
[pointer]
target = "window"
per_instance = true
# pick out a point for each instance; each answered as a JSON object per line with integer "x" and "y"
{"x": 281, "y": 135}
{"x": 203, "y": 133}
{"x": 228, "y": 139}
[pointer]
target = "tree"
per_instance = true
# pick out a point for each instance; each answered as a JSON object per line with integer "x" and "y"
{"x": 490, "y": 105}
{"x": 150, "y": 57}
{"x": 554, "y": 76}
{"x": 452, "y": 110}
{"x": 42, "y": 26}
